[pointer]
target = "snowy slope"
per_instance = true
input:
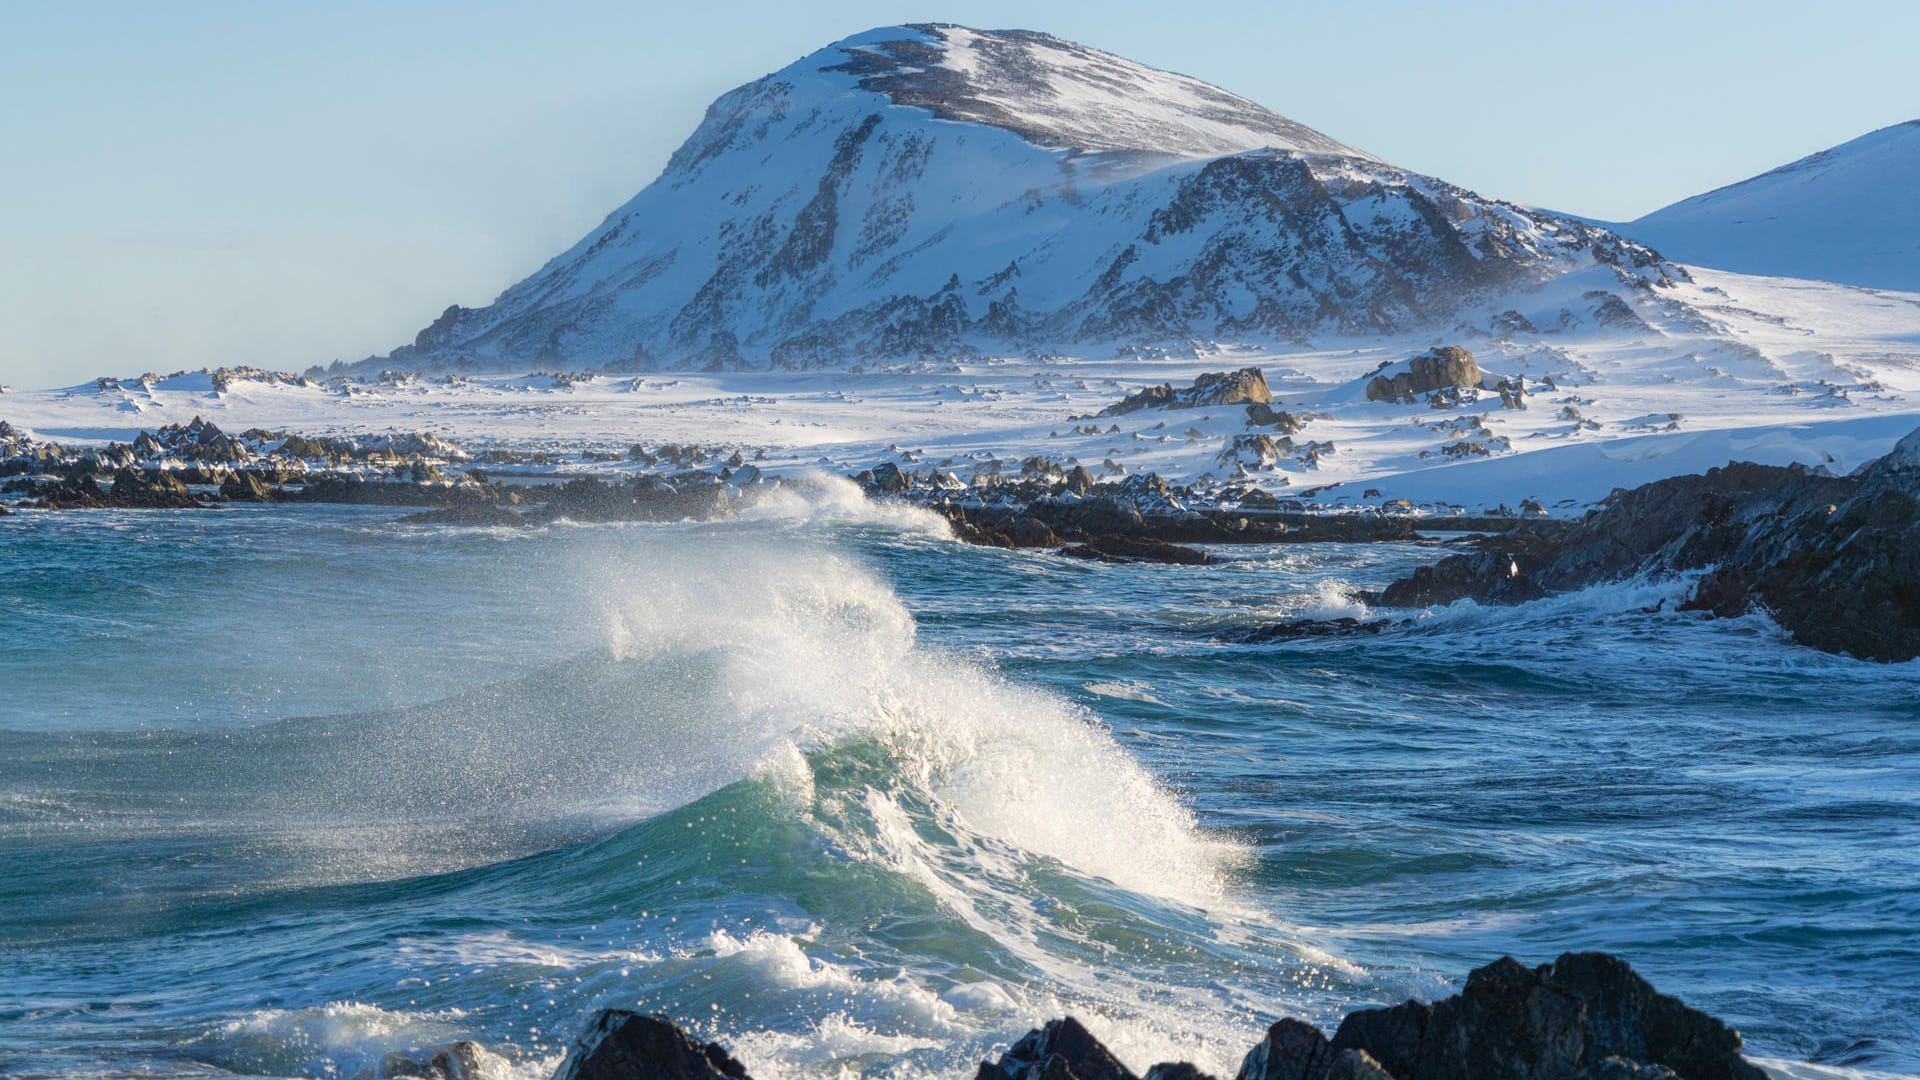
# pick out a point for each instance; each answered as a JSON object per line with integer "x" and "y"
{"x": 932, "y": 191}
{"x": 1850, "y": 214}
{"x": 1720, "y": 368}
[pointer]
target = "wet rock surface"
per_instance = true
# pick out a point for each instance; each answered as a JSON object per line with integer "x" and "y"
{"x": 1293, "y": 629}
{"x": 622, "y": 1045}
{"x": 1834, "y": 560}
{"x": 1585, "y": 1016}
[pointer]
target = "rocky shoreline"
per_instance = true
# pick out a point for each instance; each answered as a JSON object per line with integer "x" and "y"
{"x": 1834, "y": 560}
{"x": 1584, "y": 1016}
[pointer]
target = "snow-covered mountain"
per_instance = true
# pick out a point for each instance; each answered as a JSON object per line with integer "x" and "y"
{"x": 931, "y": 190}
{"x": 1850, "y": 214}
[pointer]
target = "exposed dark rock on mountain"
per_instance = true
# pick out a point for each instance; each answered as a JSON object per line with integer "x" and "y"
{"x": 1834, "y": 560}
{"x": 622, "y": 1045}
{"x": 901, "y": 194}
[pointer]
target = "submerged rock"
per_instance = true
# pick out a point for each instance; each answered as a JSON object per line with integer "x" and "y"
{"x": 622, "y": 1045}
{"x": 460, "y": 1061}
{"x": 1125, "y": 549}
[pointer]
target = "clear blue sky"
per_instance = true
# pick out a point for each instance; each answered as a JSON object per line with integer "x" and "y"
{"x": 186, "y": 184}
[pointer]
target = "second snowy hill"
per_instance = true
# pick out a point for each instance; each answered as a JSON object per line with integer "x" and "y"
{"x": 933, "y": 191}
{"x": 1849, "y": 214}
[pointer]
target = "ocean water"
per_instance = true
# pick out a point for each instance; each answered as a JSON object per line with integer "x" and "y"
{"x": 285, "y": 789}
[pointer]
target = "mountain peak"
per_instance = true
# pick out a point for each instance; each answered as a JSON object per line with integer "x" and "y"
{"x": 1059, "y": 94}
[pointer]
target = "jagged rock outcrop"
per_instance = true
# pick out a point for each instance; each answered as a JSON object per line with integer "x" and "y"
{"x": 1835, "y": 560}
{"x": 1248, "y": 386}
{"x": 1436, "y": 369}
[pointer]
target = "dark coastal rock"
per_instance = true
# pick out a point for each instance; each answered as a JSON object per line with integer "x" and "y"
{"x": 245, "y": 487}
{"x": 1585, "y": 1016}
{"x": 1062, "y": 1050}
{"x": 1835, "y": 561}
{"x": 691, "y": 497}
{"x": 1125, "y": 549}
{"x": 354, "y": 491}
{"x": 1104, "y": 516}
{"x": 154, "y": 490}
{"x": 1436, "y": 369}
{"x": 886, "y": 478}
{"x": 1582, "y": 1017}
{"x": 1247, "y": 386}
{"x": 968, "y": 532}
{"x": 1505, "y": 569}
{"x": 622, "y": 1045}
{"x": 1031, "y": 532}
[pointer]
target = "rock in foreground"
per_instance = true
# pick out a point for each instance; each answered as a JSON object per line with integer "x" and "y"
{"x": 1585, "y": 1016}
{"x": 622, "y": 1045}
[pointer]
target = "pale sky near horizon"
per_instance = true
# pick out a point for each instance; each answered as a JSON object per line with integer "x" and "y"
{"x": 202, "y": 183}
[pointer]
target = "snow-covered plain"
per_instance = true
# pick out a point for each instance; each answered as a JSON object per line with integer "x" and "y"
{"x": 1727, "y": 368}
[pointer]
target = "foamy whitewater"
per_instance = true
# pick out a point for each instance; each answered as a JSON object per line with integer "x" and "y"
{"x": 283, "y": 790}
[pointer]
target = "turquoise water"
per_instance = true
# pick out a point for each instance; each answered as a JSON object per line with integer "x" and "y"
{"x": 285, "y": 789}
